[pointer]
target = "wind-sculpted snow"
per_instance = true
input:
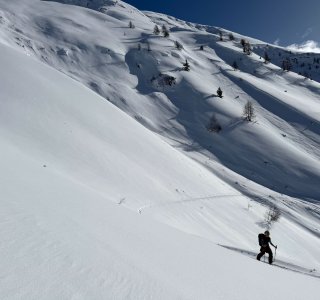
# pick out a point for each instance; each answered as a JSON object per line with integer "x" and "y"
{"x": 106, "y": 140}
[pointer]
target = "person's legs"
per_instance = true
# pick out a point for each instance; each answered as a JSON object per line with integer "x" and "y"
{"x": 262, "y": 252}
{"x": 268, "y": 250}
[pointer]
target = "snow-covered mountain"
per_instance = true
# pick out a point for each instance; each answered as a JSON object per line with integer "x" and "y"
{"x": 122, "y": 173}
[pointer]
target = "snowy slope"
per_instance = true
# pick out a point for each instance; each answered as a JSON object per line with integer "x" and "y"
{"x": 73, "y": 130}
{"x": 99, "y": 50}
{"x": 73, "y": 162}
{"x": 62, "y": 239}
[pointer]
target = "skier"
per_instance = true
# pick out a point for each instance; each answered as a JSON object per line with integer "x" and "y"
{"x": 264, "y": 240}
{"x": 219, "y": 92}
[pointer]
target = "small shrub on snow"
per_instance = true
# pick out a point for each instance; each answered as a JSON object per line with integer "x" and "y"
{"x": 248, "y": 111}
{"x": 272, "y": 215}
{"x": 163, "y": 80}
{"x": 214, "y": 125}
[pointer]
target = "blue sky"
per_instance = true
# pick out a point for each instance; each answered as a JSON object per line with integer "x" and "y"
{"x": 285, "y": 22}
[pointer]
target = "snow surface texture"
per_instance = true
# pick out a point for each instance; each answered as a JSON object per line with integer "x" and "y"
{"x": 130, "y": 198}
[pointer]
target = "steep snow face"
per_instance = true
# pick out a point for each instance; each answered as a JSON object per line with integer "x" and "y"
{"x": 279, "y": 150}
{"x": 70, "y": 128}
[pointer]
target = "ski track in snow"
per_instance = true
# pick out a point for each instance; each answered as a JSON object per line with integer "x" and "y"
{"x": 141, "y": 209}
{"x": 278, "y": 263}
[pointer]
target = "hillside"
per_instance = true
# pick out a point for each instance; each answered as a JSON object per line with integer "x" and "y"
{"x": 112, "y": 184}
{"x": 102, "y": 53}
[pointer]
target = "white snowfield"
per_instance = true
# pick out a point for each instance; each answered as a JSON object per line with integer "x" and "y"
{"x": 111, "y": 185}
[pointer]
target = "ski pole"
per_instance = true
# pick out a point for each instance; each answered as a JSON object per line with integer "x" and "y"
{"x": 275, "y": 253}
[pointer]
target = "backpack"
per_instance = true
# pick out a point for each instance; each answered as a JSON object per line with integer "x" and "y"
{"x": 262, "y": 240}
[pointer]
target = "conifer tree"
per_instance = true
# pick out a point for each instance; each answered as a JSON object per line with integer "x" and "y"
{"x": 165, "y": 31}
{"x": 178, "y": 45}
{"x": 266, "y": 58}
{"x": 156, "y": 30}
{"x": 286, "y": 65}
{"x": 131, "y": 25}
{"x": 166, "y": 34}
{"x": 247, "y": 48}
{"x": 186, "y": 66}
